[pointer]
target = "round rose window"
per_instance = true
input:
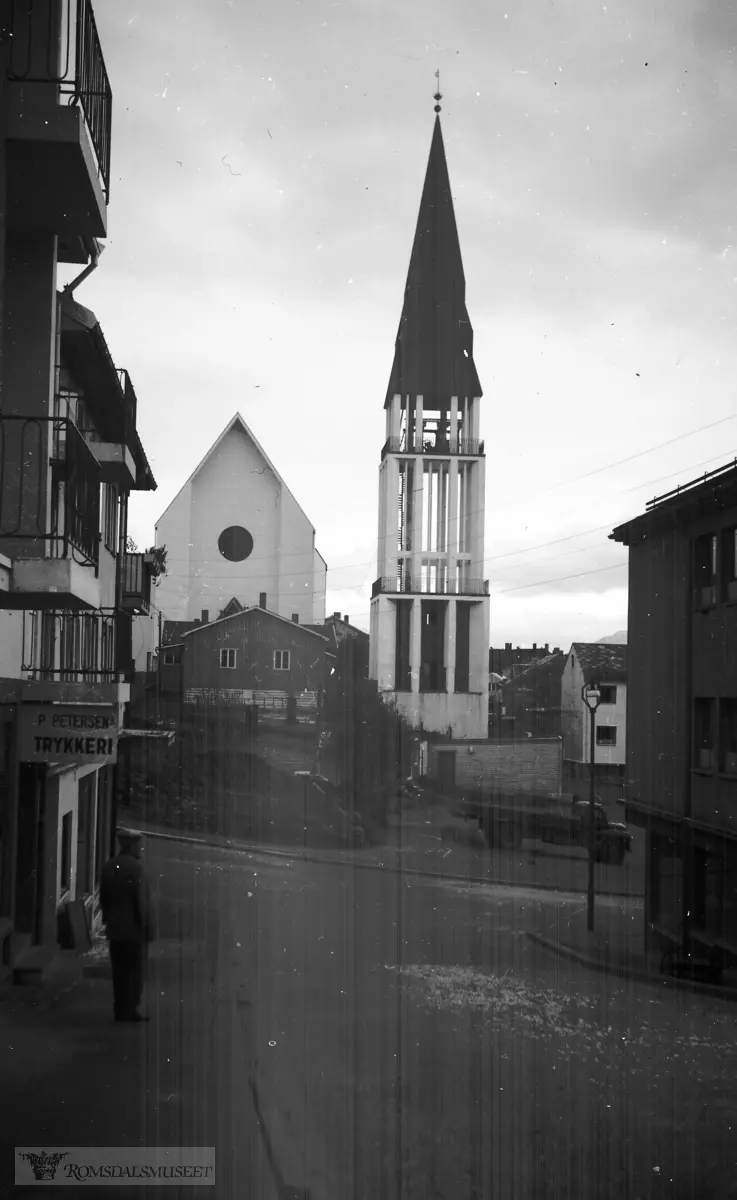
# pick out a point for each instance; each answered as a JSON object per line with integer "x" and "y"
{"x": 235, "y": 543}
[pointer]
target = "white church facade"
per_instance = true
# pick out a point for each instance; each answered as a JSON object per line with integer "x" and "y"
{"x": 235, "y": 530}
{"x": 429, "y": 635}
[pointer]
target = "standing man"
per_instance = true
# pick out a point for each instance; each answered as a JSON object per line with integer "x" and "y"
{"x": 125, "y": 899}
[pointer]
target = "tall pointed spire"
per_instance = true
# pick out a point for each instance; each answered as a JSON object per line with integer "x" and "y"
{"x": 434, "y": 347}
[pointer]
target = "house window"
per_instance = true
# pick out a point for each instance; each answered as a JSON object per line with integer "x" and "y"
{"x": 170, "y": 659}
{"x": 606, "y": 735}
{"x": 607, "y": 695}
{"x": 728, "y": 736}
{"x": 227, "y": 658}
{"x": 705, "y": 570}
{"x": 281, "y": 660}
{"x": 704, "y": 732}
{"x": 729, "y": 564}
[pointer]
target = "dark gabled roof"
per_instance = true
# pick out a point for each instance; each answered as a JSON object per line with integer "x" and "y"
{"x": 326, "y": 631}
{"x": 255, "y": 609}
{"x": 712, "y": 492}
{"x": 549, "y": 665}
{"x": 172, "y": 632}
{"x": 601, "y": 662}
{"x": 433, "y": 354}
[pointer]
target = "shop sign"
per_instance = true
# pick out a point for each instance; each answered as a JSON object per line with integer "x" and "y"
{"x": 68, "y": 733}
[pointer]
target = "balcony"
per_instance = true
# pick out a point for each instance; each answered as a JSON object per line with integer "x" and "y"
{"x": 59, "y": 113}
{"x": 137, "y": 577}
{"x": 389, "y": 585}
{"x": 70, "y": 647}
{"x": 444, "y": 447}
{"x": 49, "y": 514}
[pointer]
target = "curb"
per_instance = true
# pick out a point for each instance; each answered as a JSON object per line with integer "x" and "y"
{"x": 316, "y": 857}
{"x": 631, "y": 973}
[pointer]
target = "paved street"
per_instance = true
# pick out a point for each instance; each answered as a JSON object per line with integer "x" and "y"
{"x": 403, "y": 1038}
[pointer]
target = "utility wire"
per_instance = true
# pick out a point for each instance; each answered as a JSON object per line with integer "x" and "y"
{"x": 631, "y": 457}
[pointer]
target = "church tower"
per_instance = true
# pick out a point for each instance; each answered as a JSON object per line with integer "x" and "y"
{"x": 430, "y": 603}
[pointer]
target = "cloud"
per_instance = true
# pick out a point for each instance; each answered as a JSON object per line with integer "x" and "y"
{"x": 594, "y": 198}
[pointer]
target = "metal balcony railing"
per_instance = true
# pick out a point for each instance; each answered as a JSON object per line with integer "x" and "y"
{"x": 472, "y": 447}
{"x": 64, "y": 49}
{"x": 389, "y": 585}
{"x": 49, "y": 487}
{"x": 70, "y": 647}
{"x": 136, "y": 582}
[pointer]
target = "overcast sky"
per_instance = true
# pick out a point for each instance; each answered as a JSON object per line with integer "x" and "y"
{"x": 267, "y": 165}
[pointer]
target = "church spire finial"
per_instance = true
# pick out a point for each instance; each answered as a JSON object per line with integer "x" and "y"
{"x": 437, "y": 97}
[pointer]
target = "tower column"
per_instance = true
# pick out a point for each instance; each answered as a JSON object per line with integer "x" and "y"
{"x": 450, "y": 647}
{"x": 388, "y": 512}
{"x": 452, "y": 516}
{"x": 416, "y": 642}
{"x": 419, "y": 409}
{"x": 454, "y": 424}
{"x": 417, "y": 530}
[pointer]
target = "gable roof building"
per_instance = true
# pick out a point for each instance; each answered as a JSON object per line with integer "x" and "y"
{"x": 601, "y": 662}
{"x": 234, "y": 530}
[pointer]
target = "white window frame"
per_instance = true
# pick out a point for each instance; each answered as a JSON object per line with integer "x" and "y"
{"x": 228, "y": 658}
{"x": 282, "y": 660}
{"x": 170, "y": 658}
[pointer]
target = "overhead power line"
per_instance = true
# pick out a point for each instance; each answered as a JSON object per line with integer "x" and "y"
{"x": 631, "y": 457}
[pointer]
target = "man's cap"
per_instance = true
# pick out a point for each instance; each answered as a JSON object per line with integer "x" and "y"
{"x": 127, "y": 837}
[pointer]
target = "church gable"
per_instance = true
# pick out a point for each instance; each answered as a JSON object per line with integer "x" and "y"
{"x": 231, "y": 608}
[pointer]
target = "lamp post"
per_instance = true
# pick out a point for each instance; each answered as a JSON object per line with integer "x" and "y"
{"x": 591, "y": 698}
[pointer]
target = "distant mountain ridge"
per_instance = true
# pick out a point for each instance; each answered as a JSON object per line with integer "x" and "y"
{"x": 614, "y": 639}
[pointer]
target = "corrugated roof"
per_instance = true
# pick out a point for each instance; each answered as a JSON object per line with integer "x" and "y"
{"x": 255, "y": 608}
{"x": 172, "y": 631}
{"x": 601, "y": 662}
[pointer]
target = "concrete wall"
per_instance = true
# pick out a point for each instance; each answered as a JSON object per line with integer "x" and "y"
{"x": 531, "y": 765}
{"x": 11, "y": 644}
{"x": 571, "y": 711}
{"x": 145, "y": 638}
{"x": 320, "y": 575}
{"x": 236, "y": 487}
{"x": 297, "y": 589}
{"x": 575, "y": 721}
{"x": 467, "y": 715}
{"x": 172, "y": 531}
{"x": 610, "y": 715}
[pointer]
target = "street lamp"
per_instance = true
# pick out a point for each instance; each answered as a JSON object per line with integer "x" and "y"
{"x": 591, "y": 698}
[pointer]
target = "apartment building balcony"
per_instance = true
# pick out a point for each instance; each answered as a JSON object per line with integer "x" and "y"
{"x": 49, "y": 515}
{"x": 59, "y": 114}
{"x": 429, "y": 446}
{"x": 390, "y": 585}
{"x": 137, "y": 582}
{"x": 71, "y": 647}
